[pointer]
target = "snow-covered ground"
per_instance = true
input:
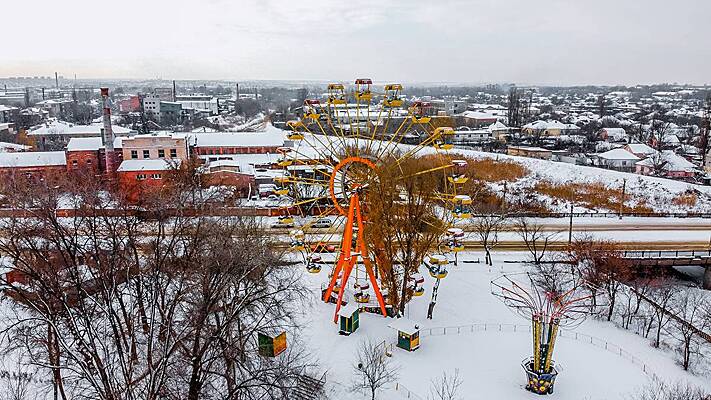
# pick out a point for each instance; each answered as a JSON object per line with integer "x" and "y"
{"x": 488, "y": 360}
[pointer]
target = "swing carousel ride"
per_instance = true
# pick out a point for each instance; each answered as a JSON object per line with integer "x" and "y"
{"x": 549, "y": 307}
{"x": 342, "y": 146}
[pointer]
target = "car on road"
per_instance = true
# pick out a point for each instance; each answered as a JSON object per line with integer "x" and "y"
{"x": 322, "y": 223}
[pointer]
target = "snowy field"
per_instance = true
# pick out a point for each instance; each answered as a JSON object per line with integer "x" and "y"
{"x": 488, "y": 360}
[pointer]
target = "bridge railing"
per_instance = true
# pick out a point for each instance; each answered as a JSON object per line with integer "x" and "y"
{"x": 666, "y": 253}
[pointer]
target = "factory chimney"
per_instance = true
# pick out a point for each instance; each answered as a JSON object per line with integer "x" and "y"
{"x": 108, "y": 135}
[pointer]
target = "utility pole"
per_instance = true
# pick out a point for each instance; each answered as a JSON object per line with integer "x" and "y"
{"x": 570, "y": 226}
{"x": 622, "y": 201}
{"x": 503, "y": 200}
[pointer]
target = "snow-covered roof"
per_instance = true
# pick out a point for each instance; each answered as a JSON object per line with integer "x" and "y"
{"x": 240, "y": 139}
{"x": 616, "y": 133}
{"x": 6, "y": 108}
{"x": 147, "y": 165}
{"x": 4, "y": 146}
{"x": 498, "y": 126}
{"x": 672, "y": 162}
{"x": 405, "y": 325}
{"x": 32, "y": 159}
{"x": 478, "y": 115}
{"x": 60, "y": 128}
{"x": 618, "y": 154}
{"x": 348, "y": 310}
{"x": 641, "y": 148}
{"x": 543, "y": 125}
{"x": 91, "y": 143}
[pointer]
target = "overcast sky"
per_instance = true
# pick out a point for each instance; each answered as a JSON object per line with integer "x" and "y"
{"x": 478, "y": 41}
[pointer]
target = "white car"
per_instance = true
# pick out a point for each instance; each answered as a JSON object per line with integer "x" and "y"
{"x": 322, "y": 223}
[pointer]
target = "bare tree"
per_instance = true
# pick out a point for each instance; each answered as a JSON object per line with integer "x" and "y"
{"x": 487, "y": 230}
{"x": 534, "y": 237}
{"x": 373, "y": 369}
{"x": 163, "y": 303}
{"x": 689, "y": 306}
{"x": 447, "y": 387}
{"x": 409, "y": 223}
{"x": 662, "y": 297}
{"x": 660, "y": 390}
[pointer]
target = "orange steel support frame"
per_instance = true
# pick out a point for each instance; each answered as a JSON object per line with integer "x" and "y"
{"x": 347, "y": 259}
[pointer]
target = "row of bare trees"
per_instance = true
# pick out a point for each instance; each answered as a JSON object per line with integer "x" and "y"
{"x": 113, "y": 306}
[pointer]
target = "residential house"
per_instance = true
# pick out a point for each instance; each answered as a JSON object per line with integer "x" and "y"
{"x": 467, "y": 136}
{"x": 476, "y": 119}
{"x": 618, "y": 159}
{"x": 550, "y": 128}
{"x": 667, "y": 164}
{"x": 531, "y": 152}
{"x": 615, "y": 135}
{"x": 640, "y": 150}
{"x": 499, "y": 131}
{"x": 7, "y": 114}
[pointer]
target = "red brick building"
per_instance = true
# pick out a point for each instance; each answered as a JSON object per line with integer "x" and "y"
{"x": 205, "y": 144}
{"x": 89, "y": 155}
{"x": 138, "y": 178}
{"x": 38, "y": 164}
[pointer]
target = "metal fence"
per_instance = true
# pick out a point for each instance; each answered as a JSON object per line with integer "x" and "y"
{"x": 405, "y": 392}
{"x": 511, "y": 328}
{"x": 666, "y": 253}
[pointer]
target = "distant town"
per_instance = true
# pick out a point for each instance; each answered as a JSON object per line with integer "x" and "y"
{"x": 236, "y": 128}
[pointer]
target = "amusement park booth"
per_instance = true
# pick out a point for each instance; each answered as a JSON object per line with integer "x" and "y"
{"x": 408, "y": 334}
{"x": 271, "y": 345}
{"x": 348, "y": 319}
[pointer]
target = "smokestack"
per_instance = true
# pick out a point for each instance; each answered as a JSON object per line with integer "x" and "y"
{"x": 237, "y": 98}
{"x": 108, "y": 134}
{"x": 56, "y": 80}
{"x": 174, "y": 94}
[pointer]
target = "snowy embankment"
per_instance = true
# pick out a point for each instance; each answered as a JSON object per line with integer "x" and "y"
{"x": 659, "y": 192}
{"x": 488, "y": 361}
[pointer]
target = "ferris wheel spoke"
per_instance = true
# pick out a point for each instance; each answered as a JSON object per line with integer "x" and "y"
{"x": 393, "y": 143}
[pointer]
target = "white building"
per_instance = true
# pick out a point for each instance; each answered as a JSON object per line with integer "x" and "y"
{"x": 151, "y": 104}
{"x": 618, "y": 159}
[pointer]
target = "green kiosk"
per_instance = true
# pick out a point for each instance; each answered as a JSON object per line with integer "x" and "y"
{"x": 408, "y": 334}
{"x": 348, "y": 317}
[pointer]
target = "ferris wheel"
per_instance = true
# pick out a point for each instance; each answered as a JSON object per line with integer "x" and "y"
{"x": 340, "y": 146}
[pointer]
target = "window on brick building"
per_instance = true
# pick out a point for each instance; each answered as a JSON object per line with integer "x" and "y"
{"x": 75, "y": 163}
{"x": 141, "y": 177}
{"x": 161, "y": 153}
{"x": 134, "y": 154}
{"x": 173, "y": 153}
{"x": 156, "y": 176}
{"x": 146, "y": 154}
{"x": 88, "y": 161}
